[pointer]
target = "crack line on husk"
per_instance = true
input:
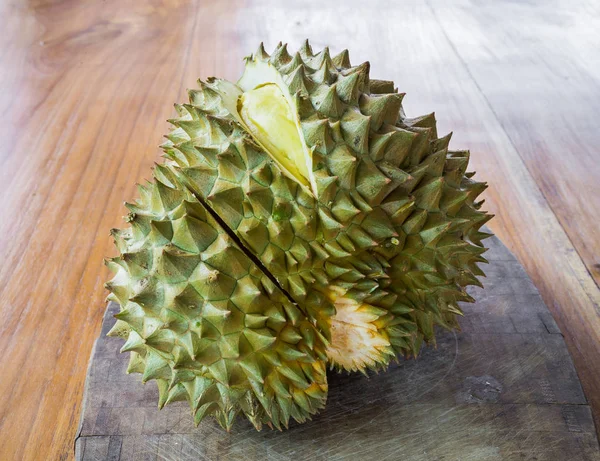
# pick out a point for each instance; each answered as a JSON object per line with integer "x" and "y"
{"x": 243, "y": 247}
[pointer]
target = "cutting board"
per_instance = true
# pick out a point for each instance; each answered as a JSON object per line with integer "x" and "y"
{"x": 503, "y": 388}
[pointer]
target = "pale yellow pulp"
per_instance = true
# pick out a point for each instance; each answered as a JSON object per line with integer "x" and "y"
{"x": 269, "y": 117}
{"x": 356, "y": 343}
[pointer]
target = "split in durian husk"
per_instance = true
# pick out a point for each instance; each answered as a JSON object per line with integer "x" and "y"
{"x": 349, "y": 214}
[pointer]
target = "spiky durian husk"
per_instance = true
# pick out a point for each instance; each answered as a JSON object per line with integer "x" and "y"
{"x": 357, "y": 271}
{"x": 394, "y": 225}
{"x": 204, "y": 321}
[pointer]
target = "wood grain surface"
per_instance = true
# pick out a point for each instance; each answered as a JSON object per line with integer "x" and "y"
{"x": 502, "y": 389}
{"x": 86, "y": 88}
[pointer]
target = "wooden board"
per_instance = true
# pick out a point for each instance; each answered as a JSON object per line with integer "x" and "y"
{"x": 504, "y": 388}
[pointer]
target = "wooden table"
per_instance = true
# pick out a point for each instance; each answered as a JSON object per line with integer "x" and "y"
{"x": 85, "y": 91}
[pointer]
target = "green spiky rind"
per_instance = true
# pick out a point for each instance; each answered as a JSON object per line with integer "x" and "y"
{"x": 201, "y": 319}
{"x": 395, "y": 221}
{"x": 395, "y": 224}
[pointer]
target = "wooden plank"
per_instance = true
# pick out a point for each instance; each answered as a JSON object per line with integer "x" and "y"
{"x": 86, "y": 88}
{"x": 504, "y": 388}
{"x": 85, "y": 94}
{"x": 539, "y": 74}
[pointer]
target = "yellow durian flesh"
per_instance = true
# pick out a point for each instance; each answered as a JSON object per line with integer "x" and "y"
{"x": 267, "y": 114}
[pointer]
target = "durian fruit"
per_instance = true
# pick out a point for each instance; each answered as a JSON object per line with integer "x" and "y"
{"x": 361, "y": 217}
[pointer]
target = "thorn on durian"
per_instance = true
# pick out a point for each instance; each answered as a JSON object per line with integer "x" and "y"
{"x": 261, "y": 53}
{"x": 280, "y": 56}
{"x": 323, "y": 59}
{"x": 342, "y": 60}
{"x": 306, "y": 49}
{"x": 294, "y": 64}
